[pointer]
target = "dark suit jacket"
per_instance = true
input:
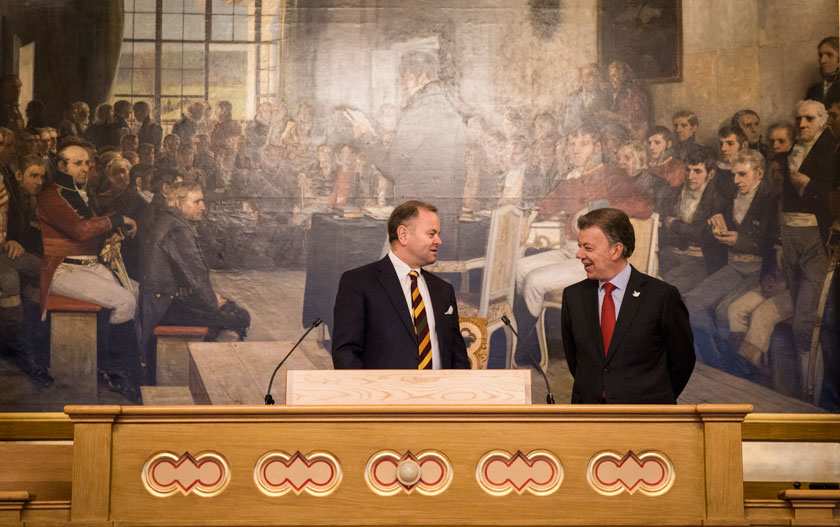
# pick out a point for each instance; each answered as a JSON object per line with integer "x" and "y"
{"x": 819, "y": 165}
{"x": 651, "y": 353}
{"x": 681, "y": 235}
{"x": 758, "y": 231}
{"x": 373, "y": 326}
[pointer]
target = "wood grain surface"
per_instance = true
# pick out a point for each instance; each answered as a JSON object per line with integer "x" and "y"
{"x": 408, "y": 387}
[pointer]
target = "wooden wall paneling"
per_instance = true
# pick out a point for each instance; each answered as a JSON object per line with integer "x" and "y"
{"x": 92, "y": 466}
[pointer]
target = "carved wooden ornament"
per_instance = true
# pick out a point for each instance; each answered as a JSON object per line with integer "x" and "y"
{"x": 499, "y": 473}
{"x": 428, "y": 473}
{"x": 650, "y": 473}
{"x": 317, "y": 473}
{"x": 205, "y": 474}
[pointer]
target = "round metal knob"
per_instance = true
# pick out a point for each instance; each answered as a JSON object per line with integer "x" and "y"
{"x": 408, "y": 472}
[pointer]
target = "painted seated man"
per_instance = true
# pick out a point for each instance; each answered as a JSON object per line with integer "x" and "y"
{"x": 176, "y": 287}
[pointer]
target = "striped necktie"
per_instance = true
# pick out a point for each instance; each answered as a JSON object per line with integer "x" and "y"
{"x": 421, "y": 325}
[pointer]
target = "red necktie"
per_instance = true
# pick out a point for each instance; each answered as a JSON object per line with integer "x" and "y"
{"x": 607, "y": 316}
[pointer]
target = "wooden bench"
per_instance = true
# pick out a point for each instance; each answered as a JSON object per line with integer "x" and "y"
{"x": 73, "y": 343}
{"x": 173, "y": 357}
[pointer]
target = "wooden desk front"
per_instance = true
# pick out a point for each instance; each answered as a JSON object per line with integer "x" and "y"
{"x": 575, "y": 465}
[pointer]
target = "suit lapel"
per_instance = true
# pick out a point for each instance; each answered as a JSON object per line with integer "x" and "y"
{"x": 629, "y": 307}
{"x": 590, "y": 305}
{"x": 388, "y": 279}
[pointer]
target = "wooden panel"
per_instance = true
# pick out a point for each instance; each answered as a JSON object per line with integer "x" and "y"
{"x": 408, "y": 387}
{"x": 73, "y": 353}
{"x": 43, "y": 469}
{"x": 24, "y": 426}
{"x": 46, "y": 513}
{"x": 92, "y": 470}
{"x": 238, "y": 372}
{"x": 791, "y": 427}
{"x": 724, "y": 470}
{"x": 353, "y": 434}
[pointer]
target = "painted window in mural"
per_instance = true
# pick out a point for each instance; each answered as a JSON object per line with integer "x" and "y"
{"x": 178, "y": 51}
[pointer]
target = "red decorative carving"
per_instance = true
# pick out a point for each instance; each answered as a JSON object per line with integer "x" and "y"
{"x": 538, "y": 472}
{"x": 277, "y": 473}
{"x": 650, "y": 473}
{"x": 205, "y": 474}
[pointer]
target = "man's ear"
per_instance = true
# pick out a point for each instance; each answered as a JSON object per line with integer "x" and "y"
{"x": 402, "y": 233}
{"x": 18, "y": 175}
{"x": 619, "y": 250}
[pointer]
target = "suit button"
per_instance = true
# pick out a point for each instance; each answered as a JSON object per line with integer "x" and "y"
{"x": 605, "y": 370}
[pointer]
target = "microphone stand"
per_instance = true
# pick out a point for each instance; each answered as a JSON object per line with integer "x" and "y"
{"x": 269, "y": 400}
{"x": 549, "y": 398}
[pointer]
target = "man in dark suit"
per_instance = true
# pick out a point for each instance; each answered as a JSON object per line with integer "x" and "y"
{"x": 827, "y": 51}
{"x": 809, "y": 174}
{"x": 746, "y": 229}
{"x": 640, "y": 349}
{"x": 685, "y": 258}
{"x": 393, "y": 315}
{"x": 425, "y": 158}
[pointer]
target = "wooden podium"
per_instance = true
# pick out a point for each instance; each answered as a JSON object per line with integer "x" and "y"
{"x": 407, "y": 465}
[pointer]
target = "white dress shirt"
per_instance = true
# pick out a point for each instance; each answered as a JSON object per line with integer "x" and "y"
{"x": 402, "y": 270}
{"x": 620, "y": 282}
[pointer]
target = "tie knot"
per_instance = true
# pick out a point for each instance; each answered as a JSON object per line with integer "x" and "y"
{"x": 413, "y": 275}
{"x": 608, "y": 288}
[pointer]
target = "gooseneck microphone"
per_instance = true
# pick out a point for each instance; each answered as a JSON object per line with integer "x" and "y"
{"x": 549, "y": 399}
{"x": 268, "y": 398}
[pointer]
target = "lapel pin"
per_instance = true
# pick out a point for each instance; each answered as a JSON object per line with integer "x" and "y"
{"x": 636, "y": 294}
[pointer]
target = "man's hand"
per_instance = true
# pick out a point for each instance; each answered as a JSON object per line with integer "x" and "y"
{"x": 799, "y": 182}
{"x": 727, "y": 237}
{"x": 718, "y": 224}
{"x": 132, "y": 226}
{"x": 669, "y": 220}
{"x": 13, "y": 249}
{"x": 220, "y": 300}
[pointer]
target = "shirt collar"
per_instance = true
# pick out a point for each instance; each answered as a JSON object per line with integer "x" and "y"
{"x": 400, "y": 266}
{"x": 620, "y": 280}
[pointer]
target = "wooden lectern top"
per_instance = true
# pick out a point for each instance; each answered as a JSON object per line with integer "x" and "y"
{"x": 407, "y": 387}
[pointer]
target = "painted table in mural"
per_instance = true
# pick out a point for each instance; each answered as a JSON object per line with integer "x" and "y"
{"x": 339, "y": 244}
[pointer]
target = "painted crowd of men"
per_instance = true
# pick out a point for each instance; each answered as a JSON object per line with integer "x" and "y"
{"x": 744, "y": 221}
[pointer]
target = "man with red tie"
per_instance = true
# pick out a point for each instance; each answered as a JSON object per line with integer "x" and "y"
{"x": 392, "y": 314}
{"x": 626, "y": 335}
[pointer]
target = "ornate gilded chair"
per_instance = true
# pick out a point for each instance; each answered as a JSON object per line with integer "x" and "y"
{"x": 498, "y": 283}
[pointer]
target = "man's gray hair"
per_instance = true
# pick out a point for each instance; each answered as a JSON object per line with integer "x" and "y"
{"x": 822, "y": 113}
{"x": 753, "y": 157}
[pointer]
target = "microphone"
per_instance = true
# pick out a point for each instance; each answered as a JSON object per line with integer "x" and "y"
{"x": 549, "y": 399}
{"x": 269, "y": 400}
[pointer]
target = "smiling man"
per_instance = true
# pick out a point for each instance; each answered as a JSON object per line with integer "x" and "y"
{"x": 392, "y": 314}
{"x": 640, "y": 348}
